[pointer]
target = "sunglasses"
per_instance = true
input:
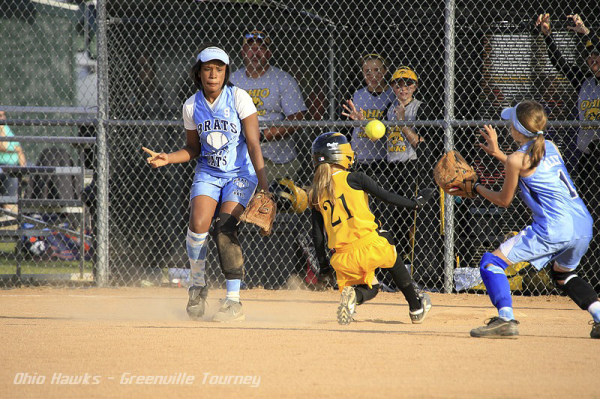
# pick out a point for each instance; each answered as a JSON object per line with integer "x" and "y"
{"x": 402, "y": 83}
{"x": 255, "y": 36}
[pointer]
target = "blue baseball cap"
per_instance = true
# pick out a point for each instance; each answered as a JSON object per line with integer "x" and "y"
{"x": 510, "y": 114}
{"x": 213, "y": 53}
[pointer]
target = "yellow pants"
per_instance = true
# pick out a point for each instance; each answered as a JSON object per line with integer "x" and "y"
{"x": 356, "y": 263}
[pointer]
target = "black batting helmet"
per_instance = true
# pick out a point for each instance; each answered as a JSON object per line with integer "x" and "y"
{"x": 332, "y": 147}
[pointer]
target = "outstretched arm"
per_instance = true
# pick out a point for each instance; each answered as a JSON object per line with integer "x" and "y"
{"x": 353, "y": 113}
{"x": 187, "y": 153}
{"x": 360, "y": 181}
{"x": 574, "y": 74}
{"x": 504, "y": 198}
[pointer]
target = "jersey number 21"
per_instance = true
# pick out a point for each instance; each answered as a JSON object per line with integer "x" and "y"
{"x": 344, "y": 204}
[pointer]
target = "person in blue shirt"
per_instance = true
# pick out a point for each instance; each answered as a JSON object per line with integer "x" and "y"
{"x": 562, "y": 225}
{"x": 221, "y": 125}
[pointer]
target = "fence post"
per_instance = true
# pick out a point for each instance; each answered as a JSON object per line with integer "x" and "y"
{"x": 449, "y": 19}
{"x": 332, "y": 77}
{"x": 102, "y": 215}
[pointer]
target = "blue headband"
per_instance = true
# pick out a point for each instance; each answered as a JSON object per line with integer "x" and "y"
{"x": 511, "y": 115}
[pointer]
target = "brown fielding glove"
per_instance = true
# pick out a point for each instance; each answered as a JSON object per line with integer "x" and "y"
{"x": 261, "y": 211}
{"x": 455, "y": 176}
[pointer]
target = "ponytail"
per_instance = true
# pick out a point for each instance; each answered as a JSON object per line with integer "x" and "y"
{"x": 533, "y": 117}
{"x": 322, "y": 187}
{"x": 537, "y": 151}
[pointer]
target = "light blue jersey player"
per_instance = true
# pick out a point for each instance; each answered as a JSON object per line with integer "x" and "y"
{"x": 221, "y": 125}
{"x": 224, "y": 153}
{"x": 562, "y": 226}
{"x": 558, "y": 212}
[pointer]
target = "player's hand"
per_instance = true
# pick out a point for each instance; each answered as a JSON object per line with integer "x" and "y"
{"x": 400, "y": 112}
{"x": 543, "y": 21}
{"x": 578, "y": 25}
{"x": 156, "y": 160}
{"x": 352, "y": 112}
{"x": 491, "y": 141}
{"x": 423, "y": 196}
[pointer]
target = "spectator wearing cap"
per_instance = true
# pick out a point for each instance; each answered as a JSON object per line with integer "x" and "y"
{"x": 277, "y": 97}
{"x": 402, "y": 141}
{"x": 409, "y": 162}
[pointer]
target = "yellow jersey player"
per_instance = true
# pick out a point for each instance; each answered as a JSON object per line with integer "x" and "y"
{"x": 340, "y": 207}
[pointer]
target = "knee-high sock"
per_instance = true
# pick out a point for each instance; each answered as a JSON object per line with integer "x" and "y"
{"x": 495, "y": 280}
{"x": 364, "y": 293}
{"x": 196, "y": 250}
{"x": 403, "y": 280}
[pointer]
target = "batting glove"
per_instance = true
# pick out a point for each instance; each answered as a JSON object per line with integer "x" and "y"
{"x": 424, "y": 195}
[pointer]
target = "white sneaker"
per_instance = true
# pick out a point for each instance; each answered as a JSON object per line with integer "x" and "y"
{"x": 230, "y": 311}
{"x": 418, "y": 316}
{"x": 347, "y": 306}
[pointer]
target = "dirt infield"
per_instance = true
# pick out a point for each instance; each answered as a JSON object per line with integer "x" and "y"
{"x": 137, "y": 342}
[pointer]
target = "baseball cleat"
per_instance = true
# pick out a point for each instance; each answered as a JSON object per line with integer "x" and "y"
{"x": 595, "y": 333}
{"x": 418, "y": 316}
{"x": 347, "y": 306}
{"x": 230, "y": 311}
{"x": 497, "y": 328}
{"x": 196, "y": 302}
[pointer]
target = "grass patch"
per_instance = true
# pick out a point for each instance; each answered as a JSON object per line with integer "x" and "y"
{"x": 9, "y": 266}
{"x": 8, "y": 263}
{"x": 8, "y": 247}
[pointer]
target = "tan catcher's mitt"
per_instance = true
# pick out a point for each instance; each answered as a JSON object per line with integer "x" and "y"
{"x": 261, "y": 211}
{"x": 455, "y": 176}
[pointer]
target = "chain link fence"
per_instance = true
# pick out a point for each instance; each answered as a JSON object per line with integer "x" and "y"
{"x": 117, "y": 74}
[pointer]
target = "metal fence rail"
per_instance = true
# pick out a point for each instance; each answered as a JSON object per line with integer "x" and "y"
{"x": 121, "y": 75}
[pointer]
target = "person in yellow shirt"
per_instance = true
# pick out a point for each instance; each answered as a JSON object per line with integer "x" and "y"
{"x": 339, "y": 200}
